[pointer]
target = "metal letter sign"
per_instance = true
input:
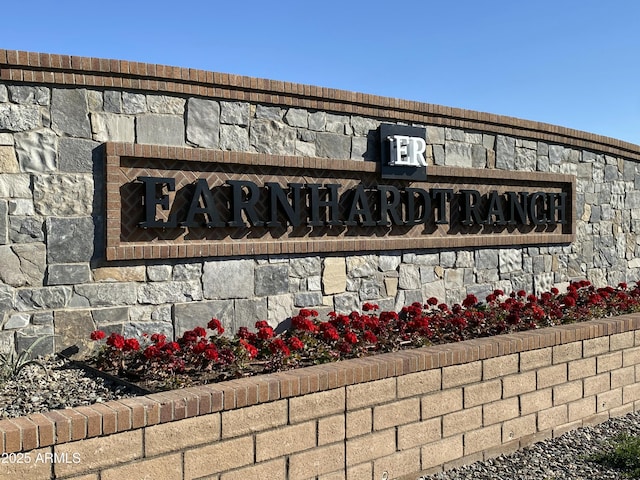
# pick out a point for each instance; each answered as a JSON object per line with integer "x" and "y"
{"x": 402, "y": 151}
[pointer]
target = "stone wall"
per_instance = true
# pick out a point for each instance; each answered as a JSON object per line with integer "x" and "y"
{"x": 56, "y": 112}
{"x": 394, "y": 415}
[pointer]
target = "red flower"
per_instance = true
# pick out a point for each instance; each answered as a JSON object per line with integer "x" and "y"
{"x": 251, "y": 350}
{"x": 350, "y": 337}
{"x": 98, "y": 335}
{"x": 278, "y": 345}
{"x": 296, "y": 344}
{"x": 370, "y": 337}
{"x": 211, "y": 353}
{"x": 265, "y": 333}
{"x": 215, "y": 324}
{"x": 432, "y": 301}
{"x": 569, "y": 301}
{"x": 199, "y": 331}
{"x": 158, "y": 338}
{"x": 116, "y": 341}
{"x": 470, "y": 301}
{"x": 131, "y": 344}
{"x": 151, "y": 352}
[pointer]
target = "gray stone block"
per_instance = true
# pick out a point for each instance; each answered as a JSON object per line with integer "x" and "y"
{"x": 333, "y": 145}
{"x": 248, "y": 312}
{"x": 70, "y": 112}
{"x": 338, "y": 124}
{"x": 19, "y": 118}
{"x": 234, "y": 138}
{"x": 505, "y": 152}
{"x": 229, "y": 279}
{"x": 187, "y": 316}
{"x": 458, "y": 155}
{"x": 364, "y": 127}
{"x": 114, "y": 315}
{"x": 37, "y": 151}
{"x": 166, "y": 104}
{"x": 73, "y": 328}
{"x": 159, "y": 273}
{"x": 269, "y": 113}
{"x": 139, "y": 329}
{"x": 160, "y": 129}
{"x": 187, "y": 271}
{"x": 272, "y": 279}
{"x": 305, "y": 267}
{"x": 77, "y": 190}
{"x": 4, "y": 95}
{"x": 29, "y": 95}
{"x": 68, "y": 274}
{"x": 307, "y": 299}
{"x": 70, "y": 240}
{"x": 78, "y": 155}
{"x": 109, "y": 127}
{"x": 169, "y": 292}
{"x": 39, "y": 341}
{"x": 297, "y": 117}
{"x": 107, "y": 294}
{"x": 317, "y": 121}
{"x": 4, "y": 222}
{"x": 270, "y": 136}
{"x": 42, "y": 318}
{"x": 17, "y": 320}
{"x": 346, "y": 302}
{"x": 44, "y": 298}
{"x": 234, "y": 113}
{"x": 112, "y": 101}
{"x": 134, "y": 103}
{"x": 203, "y": 122}
{"x": 26, "y": 229}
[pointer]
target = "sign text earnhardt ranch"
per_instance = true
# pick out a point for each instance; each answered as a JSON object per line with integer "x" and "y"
{"x": 172, "y": 202}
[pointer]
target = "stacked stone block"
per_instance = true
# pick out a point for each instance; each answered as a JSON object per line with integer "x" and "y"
{"x": 54, "y": 282}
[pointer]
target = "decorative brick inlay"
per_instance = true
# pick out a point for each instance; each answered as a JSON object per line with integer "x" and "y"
{"x": 126, "y": 240}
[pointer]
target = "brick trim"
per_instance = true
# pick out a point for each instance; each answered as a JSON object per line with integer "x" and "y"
{"x": 29, "y": 67}
{"x": 64, "y": 426}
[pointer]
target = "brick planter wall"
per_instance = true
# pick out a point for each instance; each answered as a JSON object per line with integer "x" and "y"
{"x": 403, "y": 413}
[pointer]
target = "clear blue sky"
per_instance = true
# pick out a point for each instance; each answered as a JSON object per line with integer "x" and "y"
{"x": 573, "y": 63}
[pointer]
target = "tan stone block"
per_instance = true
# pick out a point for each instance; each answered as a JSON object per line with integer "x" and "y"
{"x": 631, "y": 357}
{"x": 341, "y": 475}
{"x": 552, "y": 417}
{"x": 331, "y": 429}
{"x": 334, "y": 275}
{"x": 285, "y": 440}
{"x": 120, "y": 274}
{"x": 549, "y": 376}
{"x": 608, "y": 400}
{"x": 534, "y": 359}
{"x": 254, "y": 418}
{"x": 500, "y": 411}
{"x": 518, "y": 384}
{"x": 95, "y": 453}
{"x": 456, "y": 375}
{"x": 567, "y": 352}
{"x": 567, "y": 392}
{"x": 631, "y": 393}
{"x": 315, "y": 462}
{"x": 220, "y": 457}
{"x": 582, "y": 368}
{"x": 370, "y": 393}
{"x": 582, "y": 408}
{"x": 567, "y": 427}
{"x": 273, "y": 470}
{"x": 608, "y": 362}
{"x": 8, "y": 160}
{"x": 396, "y": 413}
{"x": 364, "y": 471}
{"x": 621, "y": 341}
{"x": 518, "y": 427}
{"x": 621, "y": 411}
{"x": 419, "y": 383}
{"x": 535, "y": 401}
{"x": 167, "y": 467}
{"x": 369, "y": 447}
{"x": 598, "y": 384}
{"x": 172, "y": 436}
{"x": 421, "y": 433}
{"x": 440, "y": 403}
{"x": 462, "y": 421}
{"x": 391, "y": 286}
{"x": 595, "y": 346}
{"x": 316, "y": 405}
{"x": 398, "y": 464}
{"x": 36, "y": 470}
{"x": 480, "y": 393}
{"x": 481, "y": 439}
{"x": 359, "y": 422}
{"x": 623, "y": 376}
{"x": 442, "y": 451}
{"x": 500, "y": 366}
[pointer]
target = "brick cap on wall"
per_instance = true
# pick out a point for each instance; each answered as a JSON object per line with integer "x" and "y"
{"x": 63, "y": 426}
{"x": 42, "y": 68}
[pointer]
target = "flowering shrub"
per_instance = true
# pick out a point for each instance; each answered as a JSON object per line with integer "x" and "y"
{"x": 206, "y": 355}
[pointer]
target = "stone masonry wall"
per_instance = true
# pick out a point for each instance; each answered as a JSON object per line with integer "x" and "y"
{"x": 54, "y": 281}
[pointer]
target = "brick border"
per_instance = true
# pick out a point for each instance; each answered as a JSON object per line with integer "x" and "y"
{"x": 116, "y": 416}
{"x": 118, "y": 250}
{"x": 29, "y": 67}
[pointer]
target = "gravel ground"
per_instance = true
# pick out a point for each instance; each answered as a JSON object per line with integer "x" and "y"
{"x": 57, "y": 386}
{"x": 564, "y": 458}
